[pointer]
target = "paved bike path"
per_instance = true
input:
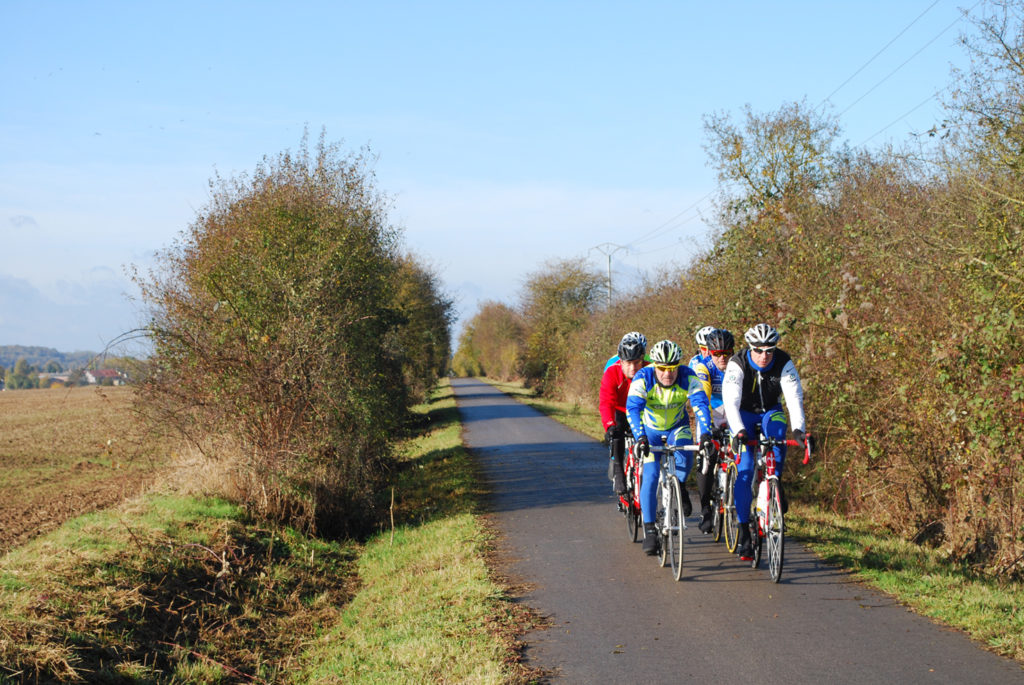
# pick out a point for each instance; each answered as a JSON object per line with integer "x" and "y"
{"x": 617, "y": 617}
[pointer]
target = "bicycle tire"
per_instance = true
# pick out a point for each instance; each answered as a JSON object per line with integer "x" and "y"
{"x": 660, "y": 517}
{"x": 633, "y": 477}
{"x": 717, "y": 505}
{"x": 675, "y": 525}
{"x": 775, "y": 531}
{"x": 633, "y": 526}
{"x": 732, "y": 522}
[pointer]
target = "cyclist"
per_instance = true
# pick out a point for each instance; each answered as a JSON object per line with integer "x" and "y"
{"x": 656, "y": 408}
{"x": 754, "y": 382}
{"x": 702, "y": 346}
{"x": 720, "y": 343}
{"x": 612, "y": 401}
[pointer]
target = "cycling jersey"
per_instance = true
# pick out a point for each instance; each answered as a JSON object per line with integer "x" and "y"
{"x": 699, "y": 359}
{"x": 751, "y": 396}
{"x": 651, "y": 405}
{"x": 711, "y": 377}
{"x": 613, "y": 394}
{"x": 752, "y": 389}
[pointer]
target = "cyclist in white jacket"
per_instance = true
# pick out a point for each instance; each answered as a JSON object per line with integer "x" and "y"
{"x": 755, "y": 381}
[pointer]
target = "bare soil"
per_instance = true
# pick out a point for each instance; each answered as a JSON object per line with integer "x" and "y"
{"x": 66, "y": 452}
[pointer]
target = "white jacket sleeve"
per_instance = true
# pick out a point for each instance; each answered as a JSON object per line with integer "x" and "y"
{"x": 793, "y": 392}
{"x": 732, "y": 391}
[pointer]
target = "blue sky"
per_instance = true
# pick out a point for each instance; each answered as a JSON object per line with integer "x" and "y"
{"x": 507, "y": 134}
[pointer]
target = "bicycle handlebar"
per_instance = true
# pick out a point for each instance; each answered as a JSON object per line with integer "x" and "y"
{"x": 775, "y": 442}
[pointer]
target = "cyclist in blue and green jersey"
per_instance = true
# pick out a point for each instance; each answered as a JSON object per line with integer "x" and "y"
{"x": 656, "y": 408}
{"x": 755, "y": 382}
{"x": 720, "y": 343}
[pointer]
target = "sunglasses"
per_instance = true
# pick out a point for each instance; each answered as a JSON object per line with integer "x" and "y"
{"x": 672, "y": 367}
{"x": 763, "y": 350}
{"x": 720, "y": 353}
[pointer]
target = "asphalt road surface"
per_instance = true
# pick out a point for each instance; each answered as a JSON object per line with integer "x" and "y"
{"x": 616, "y": 616}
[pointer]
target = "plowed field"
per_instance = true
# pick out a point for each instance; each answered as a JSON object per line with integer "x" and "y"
{"x": 64, "y": 452}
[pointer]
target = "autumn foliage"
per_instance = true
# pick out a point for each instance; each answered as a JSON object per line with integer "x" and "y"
{"x": 290, "y": 335}
{"x": 896, "y": 279}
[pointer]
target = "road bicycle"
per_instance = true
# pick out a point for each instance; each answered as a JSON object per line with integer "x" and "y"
{"x": 629, "y": 501}
{"x": 767, "y": 521}
{"x": 668, "y": 517}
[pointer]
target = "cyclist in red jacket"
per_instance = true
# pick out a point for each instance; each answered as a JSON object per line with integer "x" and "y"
{"x": 612, "y": 401}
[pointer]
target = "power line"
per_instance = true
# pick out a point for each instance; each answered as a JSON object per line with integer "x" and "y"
{"x": 901, "y": 118}
{"x": 920, "y": 50}
{"x": 863, "y": 66}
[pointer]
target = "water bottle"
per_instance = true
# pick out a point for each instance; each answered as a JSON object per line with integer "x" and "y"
{"x": 762, "y": 499}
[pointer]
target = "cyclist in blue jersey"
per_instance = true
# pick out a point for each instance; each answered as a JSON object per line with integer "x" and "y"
{"x": 656, "y": 409}
{"x": 754, "y": 383}
{"x": 720, "y": 343}
{"x": 702, "y": 346}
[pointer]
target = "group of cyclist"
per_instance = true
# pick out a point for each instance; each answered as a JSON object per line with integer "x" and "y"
{"x": 645, "y": 393}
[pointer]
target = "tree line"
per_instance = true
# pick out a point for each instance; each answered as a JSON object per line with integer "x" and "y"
{"x": 290, "y": 335}
{"x": 895, "y": 278}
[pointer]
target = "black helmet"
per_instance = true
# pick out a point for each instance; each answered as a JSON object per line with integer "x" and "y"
{"x": 720, "y": 340}
{"x": 632, "y": 346}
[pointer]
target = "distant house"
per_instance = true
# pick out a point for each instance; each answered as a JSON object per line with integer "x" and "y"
{"x": 104, "y": 377}
{"x": 53, "y": 380}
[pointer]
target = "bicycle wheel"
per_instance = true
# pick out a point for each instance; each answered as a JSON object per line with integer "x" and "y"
{"x": 774, "y": 529}
{"x": 633, "y": 526}
{"x": 732, "y": 522}
{"x": 675, "y": 524}
{"x": 661, "y": 517}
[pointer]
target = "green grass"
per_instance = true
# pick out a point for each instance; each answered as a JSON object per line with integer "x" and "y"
{"x": 427, "y": 609}
{"x": 990, "y": 610}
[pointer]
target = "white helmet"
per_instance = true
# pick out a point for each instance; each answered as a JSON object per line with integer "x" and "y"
{"x": 702, "y": 336}
{"x": 762, "y": 335}
{"x": 666, "y": 353}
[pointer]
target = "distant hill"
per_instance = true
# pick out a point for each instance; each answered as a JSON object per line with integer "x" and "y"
{"x": 39, "y": 356}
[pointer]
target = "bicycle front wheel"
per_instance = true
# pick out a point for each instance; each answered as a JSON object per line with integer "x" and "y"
{"x": 773, "y": 531}
{"x": 732, "y": 521}
{"x": 661, "y": 517}
{"x": 674, "y": 526}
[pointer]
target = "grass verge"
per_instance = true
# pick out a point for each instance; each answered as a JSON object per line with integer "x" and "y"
{"x": 988, "y": 609}
{"x": 174, "y": 589}
{"x": 428, "y": 609}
